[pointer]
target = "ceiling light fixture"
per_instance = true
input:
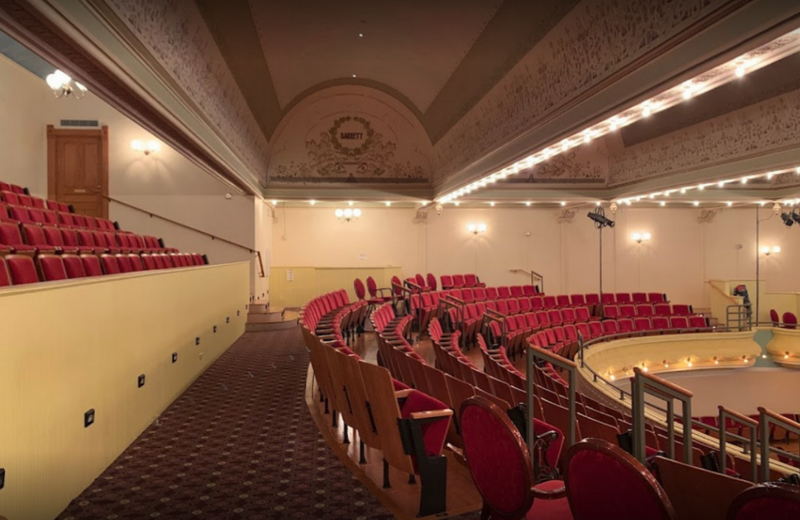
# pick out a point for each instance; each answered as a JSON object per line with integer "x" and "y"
{"x": 752, "y": 60}
{"x": 312, "y": 202}
{"x": 63, "y": 86}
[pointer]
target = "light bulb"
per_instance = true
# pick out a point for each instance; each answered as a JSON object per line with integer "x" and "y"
{"x": 348, "y": 213}
{"x": 357, "y": 212}
{"x": 339, "y": 213}
{"x": 646, "y": 235}
{"x": 312, "y": 202}
{"x": 776, "y": 249}
{"x": 388, "y": 203}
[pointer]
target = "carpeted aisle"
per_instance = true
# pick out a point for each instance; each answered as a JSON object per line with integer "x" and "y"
{"x": 239, "y": 443}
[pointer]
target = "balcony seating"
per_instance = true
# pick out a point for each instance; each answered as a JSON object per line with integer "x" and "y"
{"x": 22, "y": 269}
{"x": 603, "y": 481}
{"x": 766, "y": 501}
{"x": 789, "y": 320}
{"x": 52, "y": 267}
{"x": 500, "y": 465}
{"x": 431, "y": 281}
{"x": 5, "y": 277}
{"x": 774, "y": 318}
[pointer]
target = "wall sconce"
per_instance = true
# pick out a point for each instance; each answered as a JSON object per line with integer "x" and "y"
{"x": 146, "y": 147}
{"x": 476, "y": 229}
{"x": 347, "y": 214}
{"x": 63, "y": 86}
{"x": 767, "y": 250}
{"x": 641, "y": 237}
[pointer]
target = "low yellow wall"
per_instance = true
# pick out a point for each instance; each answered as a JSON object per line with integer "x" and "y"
{"x": 73, "y": 346}
{"x": 293, "y": 286}
{"x": 784, "y": 347}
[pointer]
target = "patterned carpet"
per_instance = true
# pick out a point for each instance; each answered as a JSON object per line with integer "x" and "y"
{"x": 239, "y": 443}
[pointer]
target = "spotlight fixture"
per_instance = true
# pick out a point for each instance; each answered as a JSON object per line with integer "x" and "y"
{"x": 598, "y": 216}
{"x": 347, "y": 214}
{"x": 63, "y": 86}
{"x": 788, "y": 218}
{"x": 796, "y": 216}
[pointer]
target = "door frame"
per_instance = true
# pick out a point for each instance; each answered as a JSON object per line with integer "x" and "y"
{"x": 52, "y": 134}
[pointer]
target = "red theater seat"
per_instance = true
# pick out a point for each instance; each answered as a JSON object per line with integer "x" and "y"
{"x": 789, "y": 320}
{"x": 11, "y": 237}
{"x": 5, "y": 277}
{"x": 52, "y": 267}
{"x": 124, "y": 263}
{"x": 73, "y": 266}
{"x": 110, "y": 264}
{"x": 35, "y": 237}
{"x": 605, "y": 482}
{"x": 771, "y": 501}
{"x": 22, "y": 269}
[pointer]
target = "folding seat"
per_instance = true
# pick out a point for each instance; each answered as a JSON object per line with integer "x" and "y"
{"x": 57, "y": 206}
{"x": 376, "y": 294}
{"x": 79, "y": 221}
{"x": 528, "y": 290}
{"x": 158, "y": 260}
{"x": 661, "y": 309}
{"x": 110, "y": 264}
{"x": 549, "y": 302}
{"x": 681, "y": 310}
{"x": 111, "y": 240}
{"x": 592, "y": 299}
{"x": 570, "y": 333}
{"x": 458, "y": 281}
{"x": 480, "y": 294}
{"x": 19, "y": 190}
{"x": 537, "y": 303}
{"x": 50, "y": 217}
{"x": 503, "y": 293}
{"x": 37, "y": 215}
{"x": 789, "y": 320}
{"x": 516, "y": 291}
{"x": 20, "y": 214}
{"x": 625, "y": 325}
{"x": 5, "y": 278}
{"x": 622, "y": 298}
{"x": 513, "y": 306}
{"x": 698, "y": 321}
{"x": 644, "y": 310}
{"x": 72, "y": 241}
{"x": 447, "y": 281}
{"x": 124, "y": 263}
{"x": 585, "y": 331}
{"x": 607, "y": 299}
{"x": 9, "y": 197}
{"x": 577, "y": 300}
{"x": 34, "y": 236}
{"x": 11, "y": 238}
{"x": 4, "y": 214}
{"x": 25, "y": 200}
{"x": 73, "y": 266}
{"x": 582, "y": 314}
{"x": 610, "y": 327}
{"x": 92, "y": 222}
{"x": 524, "y": 305}
{"x": 492, "y": 305}
{"x": 36, "y": 202}
{"x": 655, "y": 297}
{"x": 198, "y": 259}
{"x": 678, "y": 322}
{"x": 543, "y": 318}
{"x": 555, "y": 317}
{"x": 491, "y": 293}
{"x": 471, "y": 280}
{"x": 502, "y": 307}
{"x": 431, "y": 281}
{"x": 420, "y": 281}
{"x": 562, "y": 300}
{"x": 66, "y": 219}
{"x": 531, "y": 322}
{"x": 105, "y": 224}
{"x": 660, "y": 322}
{"x": 568, "y": 315}
{"x": 467, "y": 295}
{"x": 638, "y": 297}
{"x": 642, "y": 324}
{"x": 51, "y": 267}
{"x": 611, "y": 312}
{"x": 21, "y": 269}
{"x": 626, "y": 311}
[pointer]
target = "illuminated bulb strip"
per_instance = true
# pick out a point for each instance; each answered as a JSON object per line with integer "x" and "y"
{"x": 704, "y": 82}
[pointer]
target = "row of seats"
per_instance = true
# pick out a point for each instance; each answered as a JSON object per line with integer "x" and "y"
{"x": 46, "y": 217}
{"x": 788, "y": 321}
{"x": 646, "y": 310}
{"x": 24, "y": 269}
{"x": 30, "y": 238}
{"x": 16, "y": 195}
{"x": 406, "y": 425}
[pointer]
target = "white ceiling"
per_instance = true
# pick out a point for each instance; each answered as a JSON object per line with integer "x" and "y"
{"x": 412, "y": 46}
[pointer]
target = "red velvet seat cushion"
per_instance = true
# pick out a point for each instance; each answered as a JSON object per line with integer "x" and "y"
{"x": 768, "y": 508}
{"x": 433, "y": 432}
{"x": 557, "y": 509}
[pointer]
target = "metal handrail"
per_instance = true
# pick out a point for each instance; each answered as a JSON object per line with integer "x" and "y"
{"x": 765, "y": 418}
{"x": 537, "y": 353}
{"x": 644, "y": 383}
{"x": 724, "y": 415}
{"x": 534, "y": 275}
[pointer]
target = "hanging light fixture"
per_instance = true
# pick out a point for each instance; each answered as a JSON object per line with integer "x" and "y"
{"x": 62, "y": 85}
{"x": 348, "y": 214}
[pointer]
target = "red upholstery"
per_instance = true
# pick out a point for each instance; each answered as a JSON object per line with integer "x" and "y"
{"x": 22, "y": 269}
{"x": 5, "y": 278}
{"x": 789, "y": 320}
{"x": 604, "y": 482}
{"x": 358, "y": 287}
{"x": 431, "y": 280}
{"x": 91, "y": 265}
{"x": 52, "y": 268}
{"x": 434, "y": 432}
{"x": 773, "y": 316}
{"x": 766, "y": 502}
{"x": 11, "y": 236}
{"x": 73, "y": 266}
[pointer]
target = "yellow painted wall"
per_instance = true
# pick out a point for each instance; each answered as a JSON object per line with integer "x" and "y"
{"x": 71, "y": 346}
{"x": 294, "y": 286}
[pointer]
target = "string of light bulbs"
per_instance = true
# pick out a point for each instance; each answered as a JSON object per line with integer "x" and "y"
{"x": 704, "y": 82}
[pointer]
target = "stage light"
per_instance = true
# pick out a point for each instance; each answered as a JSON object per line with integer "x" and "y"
{"x": 787, "y": 218}
{"x": 598, "y": 216}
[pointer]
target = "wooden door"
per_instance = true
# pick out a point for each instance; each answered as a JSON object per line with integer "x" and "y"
{"x": 77, "y": 169}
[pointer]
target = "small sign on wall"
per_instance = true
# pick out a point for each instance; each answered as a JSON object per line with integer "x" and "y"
{"x": 289, "y": 275}
{"x": 362, "y": 257}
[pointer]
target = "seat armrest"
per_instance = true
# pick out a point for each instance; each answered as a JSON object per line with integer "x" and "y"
{"x": 549, "y": 494}
{"x": 431, "y": 414}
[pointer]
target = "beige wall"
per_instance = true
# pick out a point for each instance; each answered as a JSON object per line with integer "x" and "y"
{"x": 165, "y": 183}
{"x": 680, "y": 258}
{"x": 58, "y": 359}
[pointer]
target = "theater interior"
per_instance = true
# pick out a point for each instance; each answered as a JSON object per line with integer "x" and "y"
{"x": 469, "y": 259}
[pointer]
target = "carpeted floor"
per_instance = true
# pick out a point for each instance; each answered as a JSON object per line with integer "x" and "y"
{"x": 238, "y": 444}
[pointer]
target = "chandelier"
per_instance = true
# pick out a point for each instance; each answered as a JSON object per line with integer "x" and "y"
{"x": 63, "y": 86}
{"x": 348, "y": 214}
